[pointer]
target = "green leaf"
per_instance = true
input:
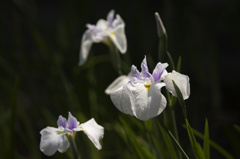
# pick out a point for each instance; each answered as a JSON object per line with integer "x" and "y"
{"x": 206, "y": 147}
{"x": 167, "y": 140}
{"x": 179, "y": 64}
{"x": 180, "y": 99}
{"x": 178, "y": 145}
{"x": 171, "y": 61}
{"x": 217, "y": 147}
{"x": 138, "y": 150}
{"x": 197, "y": 150}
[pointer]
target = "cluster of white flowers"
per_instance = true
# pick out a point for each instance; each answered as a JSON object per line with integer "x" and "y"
{"x": 137, "y": 94}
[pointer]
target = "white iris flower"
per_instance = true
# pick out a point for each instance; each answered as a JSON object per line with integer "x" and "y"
{"x": 139, "y": 94}
{"x": 104, "y": 30}
{"x": 53, "y": 139}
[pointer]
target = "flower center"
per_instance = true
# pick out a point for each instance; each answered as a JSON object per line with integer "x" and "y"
{"x": 147, "y": 83}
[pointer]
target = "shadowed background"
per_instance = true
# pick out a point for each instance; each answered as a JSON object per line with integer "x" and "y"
{"x": 40, "y": 78}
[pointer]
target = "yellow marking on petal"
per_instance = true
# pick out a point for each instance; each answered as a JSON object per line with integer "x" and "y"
{"x": 60, "y": 132}
{"x": 147, "y": 86}
{"x": 112, "y": 34}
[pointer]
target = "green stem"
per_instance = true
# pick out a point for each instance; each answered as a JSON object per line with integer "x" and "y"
{"x": 115, "y": 56}
{"x": 73, "y": 147}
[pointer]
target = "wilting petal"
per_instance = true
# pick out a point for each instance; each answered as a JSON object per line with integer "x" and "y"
{"x": 145, "y": 72}
{"x": 51, "y": 140}
{"x": 117, "y": 83}
{"x": 93, "y": 131}
{"x": 158, "y": 71}
{"x": 121, "y": 100}
{"x": 72, "y": 122}
{"x": 64, "y": 145}
{"x": 62, "y": 122}
{"x": 85, "y": 46}
{"x": 118, "y": 37}
{"x": 181, "y": 80}
{"x": 146, "y": 103}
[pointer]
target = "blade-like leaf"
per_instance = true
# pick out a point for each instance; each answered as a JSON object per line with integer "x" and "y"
{"x": 206, "y": 147}
{"x": 138, "y": 150}
{"x": 197, "y": 150}
{"x": 168, "y": 142}
{"x": 217, "y": 147}
{"x": 179, "y": 64}
{"x": 180, "y": 99}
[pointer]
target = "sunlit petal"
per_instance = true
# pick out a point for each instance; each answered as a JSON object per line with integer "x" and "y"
{"x": 121, "y": 100}
{"x": 146, "y": 103}
{"x": 94, "y": 132}
{"x": 182, "y": 82}
{"x": 117, "y": 83}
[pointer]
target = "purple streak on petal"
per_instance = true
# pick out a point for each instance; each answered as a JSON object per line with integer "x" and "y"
{"x": 62, "y": 121}
{"x": 145, "y": 72}
{"x": 157, "y": 72}
{"x": 134, "y": 75}
{"x": 110, "y": 18}
{"x": 72, "y": 122}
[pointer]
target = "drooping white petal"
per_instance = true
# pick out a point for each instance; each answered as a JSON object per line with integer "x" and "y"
{"x": 64, "y": 145}
{"x": 117, "y": 83}
{"x": 146, "y": 102}
{"x": 181, "y": 80}
{"x": 86, "y": 44}
{"x": 118, "y": 37}
{"x": 121, "y": 100}
{"x": 94, "y": 132}
{"x": 51, "y": 140}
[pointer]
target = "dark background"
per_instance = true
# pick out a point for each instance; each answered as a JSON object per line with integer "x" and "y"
{"x": 40, "y": 78}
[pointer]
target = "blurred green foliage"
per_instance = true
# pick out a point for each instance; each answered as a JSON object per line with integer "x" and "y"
{"x": 40, "y": 78}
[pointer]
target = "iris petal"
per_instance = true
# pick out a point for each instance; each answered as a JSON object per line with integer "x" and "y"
{"x": 86, "y": 44}
{"x": 117, "y": 35}
{"x": 121, "y": 100}
{"x": 94, "y": 132}
{"x": 182, "y": 82}
{"x": 146, "y": 102}
{"x": 117, "y": 83}
{"x": 158, "y": 71}
{"x": 145, "y": 72}
{"x": 50, "y": 140}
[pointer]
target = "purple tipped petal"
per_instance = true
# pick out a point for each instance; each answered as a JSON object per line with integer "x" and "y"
{"x": 72, "y": 122}
{"x": 158, "y": 71}
{"x": 134, "y": 74}
{"x": 110, "y": 18}
{"x": 145, "y": 72}
{"x": 62, "y": 121}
